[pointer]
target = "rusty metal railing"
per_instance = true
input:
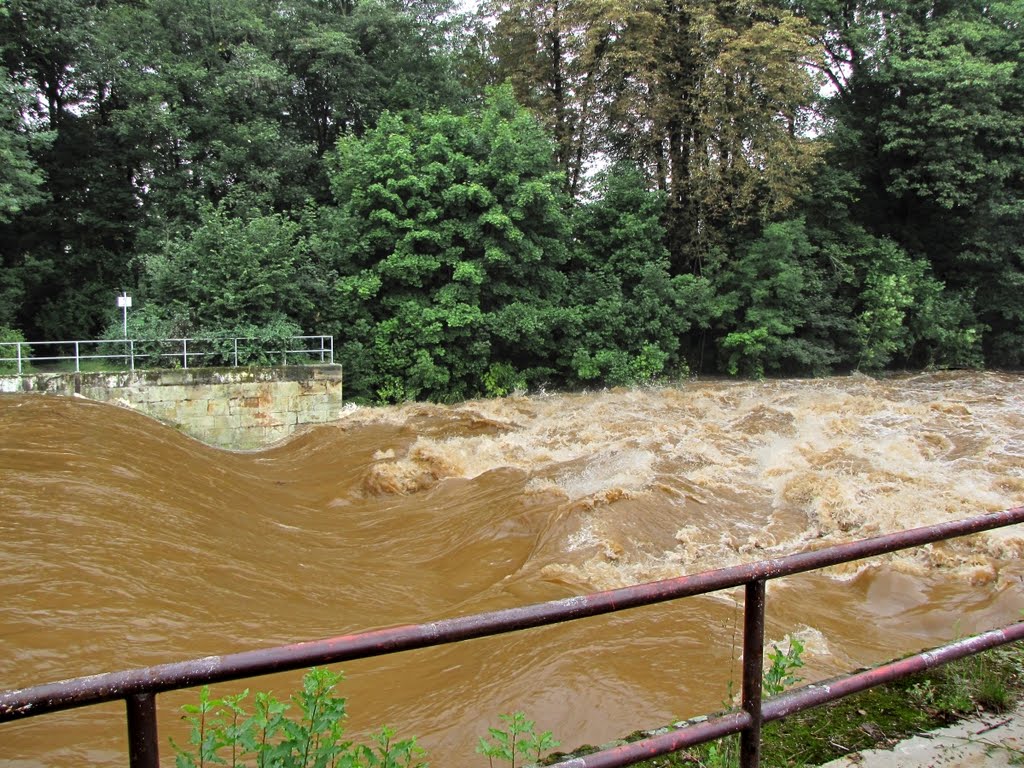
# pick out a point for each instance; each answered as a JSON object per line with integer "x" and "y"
{"x": 139, "y": 687}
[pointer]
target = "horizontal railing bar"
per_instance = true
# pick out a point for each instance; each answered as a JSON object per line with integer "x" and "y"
{"x": 141, "y": 341}
{"x": 67, "y": 694}
{"x": 662, "y": 744}
{"x": 815, "y": 694}
{"x": 793, "y": 701}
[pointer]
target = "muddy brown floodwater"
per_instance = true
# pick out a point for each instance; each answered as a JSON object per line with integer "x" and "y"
{"x": 124, "y": 543}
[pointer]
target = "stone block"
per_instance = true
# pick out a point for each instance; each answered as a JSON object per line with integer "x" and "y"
{"x": 243, "y": 408}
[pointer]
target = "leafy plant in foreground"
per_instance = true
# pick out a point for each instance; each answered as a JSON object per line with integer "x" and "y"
{"x": 777, "y": 677}
{"x": 224, "y": 733}
{"x": 521, "y": 740}
{"x": 779, "y": 674}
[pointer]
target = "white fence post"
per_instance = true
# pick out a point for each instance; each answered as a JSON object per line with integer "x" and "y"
{"x": 184, "y": 352}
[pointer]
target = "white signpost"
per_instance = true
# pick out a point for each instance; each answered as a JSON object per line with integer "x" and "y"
{"x": 124, "y": 301}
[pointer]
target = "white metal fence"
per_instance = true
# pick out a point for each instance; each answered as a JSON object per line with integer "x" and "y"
{"x": 24, "y": 357}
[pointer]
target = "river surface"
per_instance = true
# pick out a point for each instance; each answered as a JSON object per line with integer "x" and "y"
{"x": 124, "y": 543}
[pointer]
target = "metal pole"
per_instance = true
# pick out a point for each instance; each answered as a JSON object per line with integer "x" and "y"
{"x": 131, "y": 351}
{"x": 143, "y": 744}
{"x": 753, "y": 661}
{"x": 124, "y": 313}
{"x": 235, "y": 340}
{"x": 77, "y": 369}
{"x": 18, "y": 347}
{"x": 332, "y": 350}
{"x": 184, "y": 353}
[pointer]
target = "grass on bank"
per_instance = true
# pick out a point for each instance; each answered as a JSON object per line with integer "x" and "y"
{"x": 878, "y": 718}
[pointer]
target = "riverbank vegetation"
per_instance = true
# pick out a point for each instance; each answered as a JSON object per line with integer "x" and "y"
{"x": 224, "y": 732}
{"x": 878, "y": 718}
{"x": 557, "y": 193}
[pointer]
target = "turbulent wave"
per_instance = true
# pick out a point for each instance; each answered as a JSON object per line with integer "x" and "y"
{"x": 724, "y": 472}
{"x": 123, "y": 542}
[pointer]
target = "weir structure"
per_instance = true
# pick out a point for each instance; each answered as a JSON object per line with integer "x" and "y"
{"x": 139, "y": 687}
{"x": 236, "y": 404}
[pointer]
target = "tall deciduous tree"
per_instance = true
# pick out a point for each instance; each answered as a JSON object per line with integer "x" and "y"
{"x": 727, "y": 110}
{"x": 450, "y": 238}
{"x": 629, "y": 314}
{"x": 160, "y": 108}
{"x": 71, "y": 252}
{"x": 560, "y": 56}
{"x": 928, "y": 117}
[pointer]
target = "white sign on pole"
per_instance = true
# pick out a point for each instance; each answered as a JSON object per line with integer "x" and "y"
{"x": 124, "y": 301}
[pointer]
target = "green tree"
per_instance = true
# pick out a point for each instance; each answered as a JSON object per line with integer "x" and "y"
{"x": 69, "y": 252}
{"x": 158, "y": 108}
{"x": 906, "y": 315}
{"x": 629, "y": 315}
{"x": 781, "y": 309}
{"x": 927, "y": 119}
{"x": 451, "y": 234}
{"x": 21, "y": 180}
{"x": 20, "y": 177}
{"x": 235, "y": 271}
{"x": 352, "y": 61}
{"x": 561, "y": 56}
{"x": 718, "y": 118}
{"x": 954, "y": 135}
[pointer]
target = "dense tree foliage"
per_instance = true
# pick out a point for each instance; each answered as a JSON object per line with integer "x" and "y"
{"x": 451, "y": 235}
{"x": 559, "y": 192}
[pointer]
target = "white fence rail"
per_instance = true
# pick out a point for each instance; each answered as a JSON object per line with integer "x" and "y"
{"x": 233, "y": 351}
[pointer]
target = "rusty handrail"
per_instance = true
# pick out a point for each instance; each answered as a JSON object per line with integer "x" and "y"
{"x": 792, "y": 701}
{"x": 138, "y": 687}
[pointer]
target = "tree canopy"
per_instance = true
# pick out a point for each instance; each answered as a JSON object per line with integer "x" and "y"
{"x": 562, "y": 192}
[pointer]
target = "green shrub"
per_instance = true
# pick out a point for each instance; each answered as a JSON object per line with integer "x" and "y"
{"x": 501, "y": 379}
{"x": 14, "y": 337}
{"x": 256, "y": 344}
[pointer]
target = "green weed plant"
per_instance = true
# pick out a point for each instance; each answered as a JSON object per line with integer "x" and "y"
{"x": 520, "y": 742}
{"x": 776, "y": 678}
{"x": 223, "y": 732}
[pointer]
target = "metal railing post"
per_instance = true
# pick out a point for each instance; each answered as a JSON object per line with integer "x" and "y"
{"x": 235, "y": 340}
{"x": 143, "y": 744}
{"x": 184, "y": 353}
{"x": 77, "y": 368}
{"x": 332, "y": 350}
{"x": 753, "y": 662}
{"x": 131, "y": 353}
{"x": 18, "y": 347}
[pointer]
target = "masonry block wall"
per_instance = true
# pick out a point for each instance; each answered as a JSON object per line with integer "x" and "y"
{"x": 238, "y": 408}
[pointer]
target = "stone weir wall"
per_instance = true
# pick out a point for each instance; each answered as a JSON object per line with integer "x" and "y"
{"x": 238, "y": 408}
